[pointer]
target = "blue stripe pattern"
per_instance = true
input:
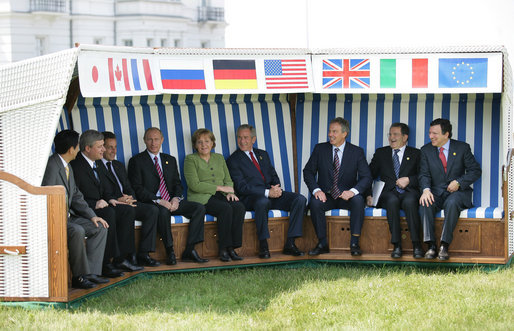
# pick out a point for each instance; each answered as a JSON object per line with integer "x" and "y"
{"x": 475, "y": 119}
{"x": 135, "y": 75}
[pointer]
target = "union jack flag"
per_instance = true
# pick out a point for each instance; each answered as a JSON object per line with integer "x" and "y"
{"x": 346, "y": 73}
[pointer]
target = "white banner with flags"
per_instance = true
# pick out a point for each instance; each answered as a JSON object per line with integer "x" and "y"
{"x": 119, "y": 74}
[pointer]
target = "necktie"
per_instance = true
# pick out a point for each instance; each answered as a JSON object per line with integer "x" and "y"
{"x": 111, "y": 171}
{"x": 109, "y": 167}
{"x": 67, "y": 169}
{"x": 335, "y": 191}
{"x": 162, "y": 185}
{"x": 442, "y": 157}
{"x": 95, "y": 171}
{"x": 256, "y": 164}
{"x": 396, "y": 165}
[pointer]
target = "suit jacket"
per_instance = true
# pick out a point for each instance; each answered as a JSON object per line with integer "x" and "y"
{"x": 87, "y": 183}
{"x": 120, "y": 171}
{"x": 382, "y": 166}
{"x": 202, "y": 178}
{"x": 145, "y": 179}
{"x": 55, "y": 174}
{"x": 247, "y": 178}
{"x": 354, "y": 171}
{"x": 461, "y": 166}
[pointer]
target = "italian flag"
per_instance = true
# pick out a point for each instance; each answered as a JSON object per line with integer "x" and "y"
{"x": 403, "y": 73}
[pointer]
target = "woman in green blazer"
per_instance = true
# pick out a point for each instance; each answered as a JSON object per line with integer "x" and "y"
{"x": 209, "y": 183}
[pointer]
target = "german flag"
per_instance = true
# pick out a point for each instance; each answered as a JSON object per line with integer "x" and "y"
{"x": 234, "y": 74}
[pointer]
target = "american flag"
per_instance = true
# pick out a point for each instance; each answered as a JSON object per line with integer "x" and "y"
{"x": 282, "y": 74}
{"x": 346, "y": 73}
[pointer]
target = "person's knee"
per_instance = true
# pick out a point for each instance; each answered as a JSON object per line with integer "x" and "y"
{"x": 357, "y": 201}
{"x": 262, "y": 203}
{"x": 76, "y": 232}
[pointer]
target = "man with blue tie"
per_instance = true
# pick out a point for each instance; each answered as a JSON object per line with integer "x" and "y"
{"x": 257, "y": 184}
{"x": 447, "y": 171}
{"x": 337, "y": 175}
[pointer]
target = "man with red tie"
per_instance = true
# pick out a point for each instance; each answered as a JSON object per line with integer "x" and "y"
{"x": 155, "y": 179}
{"x": 257, "y": 184}
{"x": 447, "y": 170}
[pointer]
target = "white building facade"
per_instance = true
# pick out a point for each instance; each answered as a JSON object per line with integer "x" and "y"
{"x": 31, "y": 28}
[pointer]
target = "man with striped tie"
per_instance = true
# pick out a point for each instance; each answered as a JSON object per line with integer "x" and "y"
{"x": 397, "y": 165}
{"x": 155, "y": 179}
{"x": 447, "y": 170}
{"x": 338, "y": 176}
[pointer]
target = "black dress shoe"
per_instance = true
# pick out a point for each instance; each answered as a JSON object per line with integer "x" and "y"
{"x": 171, "y": 258}
{"x": 233, "y": 255}
{"x": 264, "y": 254}
{"x": 224, "y": 255}
{"x": 147, "y": 261}
{"x": 82, "y": 282}
{"x": 127, "y": 266}
{"x": 96, "y": 279}
{"x": 418, "y": 253}
{"x": 110, "y": 271}
{"x": 396, "y": 253}
{"x": 132, "y": 259}
{"x": 355, "y": 250}
{"x": 293, "y": 250}
{"x": 319, "y": 249}
{"x": 431, "y": 253}
{"x": 193, "y": 256}
{"x": 443, "y": 253}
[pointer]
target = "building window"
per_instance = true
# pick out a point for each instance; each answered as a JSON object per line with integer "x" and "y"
{"x": 149, "y": 42}
{"x": 97, "y": 41}
{"x": 177, "y": 43}
{"x": 127, "y": 42}
{"x": 164, "y": 42}
{"x": 40, "y": 45}
{"x": 205, "y": 44}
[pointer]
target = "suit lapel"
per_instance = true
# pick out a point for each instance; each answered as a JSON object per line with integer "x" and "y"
{"x": 404, "y": 162}
{"x": 451, "y": 157}
{"x": 151, "y": 164}
{"x": 435, "y": 152}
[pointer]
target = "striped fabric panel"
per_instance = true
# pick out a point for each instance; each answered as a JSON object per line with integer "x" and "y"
{"x": 178, "y": 116}
{"x": 475, "y": 118}
{"x": 64, "y": 124}
{"x": 476, "y": 212}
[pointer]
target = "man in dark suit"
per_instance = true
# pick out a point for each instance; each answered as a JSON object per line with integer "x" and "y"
{"x": 447, "y": 171}
{"x": 397, "y": 165}
{"x": 257, "y": 184}
{"x": 119, "y": 215}
{"x": 119, "y": 183}
{"x": 85, "y": 258}
{"x": 155, "y": 179}
{"x": 337, "y": 175}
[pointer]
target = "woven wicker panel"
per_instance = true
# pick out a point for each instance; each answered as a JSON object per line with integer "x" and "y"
{"x": 23, "y": 223}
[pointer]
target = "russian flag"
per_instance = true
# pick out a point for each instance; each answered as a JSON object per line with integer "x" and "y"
{"x": 182, "y": 74}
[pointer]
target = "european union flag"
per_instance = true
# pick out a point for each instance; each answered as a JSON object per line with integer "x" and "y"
{"x": 463, "y": 72}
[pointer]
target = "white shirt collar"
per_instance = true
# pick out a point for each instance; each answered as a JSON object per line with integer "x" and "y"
{"x": 91, "y": 163}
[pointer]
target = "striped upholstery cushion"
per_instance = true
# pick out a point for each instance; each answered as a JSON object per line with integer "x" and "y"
{"x": 479, "y": 212}
{"x": 475, "y": 119}
{"x": 178, "y": 116}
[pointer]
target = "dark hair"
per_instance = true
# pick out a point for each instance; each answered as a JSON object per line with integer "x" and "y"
{"x": 64, "y": 140}
{"x": 253, "y": 132}
{"x": 403, "y": 127}
{"x": 445, "y": 124}
{"x": 109, "y": 135}
{"x": 151, "y": 129}
{"x": 345, "y": 125}
{"x": 88, "y": 138}
{"x": 201, "y": 132}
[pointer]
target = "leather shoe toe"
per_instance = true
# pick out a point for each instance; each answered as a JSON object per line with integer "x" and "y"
{"x": 224, "y": 256}
{"x": 110, "y": 271}
{"x": 127, "y": 266}
{"x": 147, "y": 261}
{"x": 319, "y": 249}
{"x": 396, "y": 253}
{"x": 264, "y": 254}
{"x": 233, "y": 255}
{"x": 96, "y": 279}
{"x": 355, "y": 250}
{"x": 293, "y": 250}
{"x": 443, "y": 253}
{"x": 193, "y": 256}
{"x": 418, "y": 253}
{"x": 431, "y": 253}
{"x": 82, "y": 283}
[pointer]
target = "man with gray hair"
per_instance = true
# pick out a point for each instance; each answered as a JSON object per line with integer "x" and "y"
{"x": 119, "y": 215}
{"x": 258, "y": 186}
{"x": 337, "y": 175}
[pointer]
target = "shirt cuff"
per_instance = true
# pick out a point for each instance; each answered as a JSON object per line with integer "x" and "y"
{"x": 266, "y": 193}
{"x": 354, "y": 191}
{"x": 316, "y": 190}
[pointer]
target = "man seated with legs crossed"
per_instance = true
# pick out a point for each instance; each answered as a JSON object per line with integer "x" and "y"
{"x": 155, "y": 179}
{"x": 146, "y": 213}
{"x": 85, "y": 256}
{"x": 447, "y": 170}
{"x": 119, "y": 215}
{"x": 397, "y": 165}
{"x": 257, "y": 184}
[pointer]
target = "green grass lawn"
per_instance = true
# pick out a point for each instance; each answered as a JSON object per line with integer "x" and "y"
{"x": 325, "y": 297}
